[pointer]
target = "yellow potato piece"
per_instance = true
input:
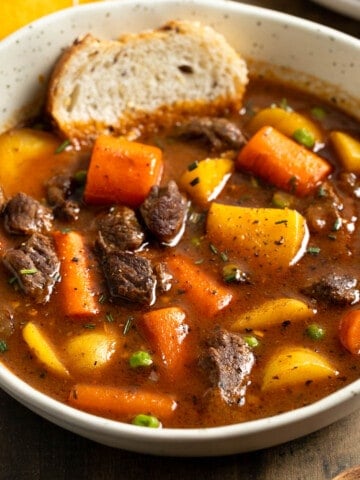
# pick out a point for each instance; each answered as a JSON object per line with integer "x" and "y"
{"x": 273, "y": 312}
{"x": 286, "y": 121}
{"x": 204, "y": 182}
{"x": 43, "y": 349}
{"x": 348, "y": 150}
{"x": 90, "y": 352}
{"x": 17, "y": 13}
{"x": 295, "y": 366}
{"x": 23, "y": 153}
{"x": 268, "y": 236}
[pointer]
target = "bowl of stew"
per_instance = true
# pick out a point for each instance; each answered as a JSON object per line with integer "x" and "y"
{"x": 243, "y": 332}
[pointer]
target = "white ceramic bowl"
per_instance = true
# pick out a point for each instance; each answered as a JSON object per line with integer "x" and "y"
{"x": 321, "y": 54}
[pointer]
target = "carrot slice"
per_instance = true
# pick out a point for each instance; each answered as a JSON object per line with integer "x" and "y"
{"x": 282, "y": 162}
{"x": 349, "y": 331}
{"x": 122, "y": 171}
{"x": 206, "y": 294}
{"x": 125, "y": 402}
{"x": 76, "y": 284}
{"x": 166, "y": 331}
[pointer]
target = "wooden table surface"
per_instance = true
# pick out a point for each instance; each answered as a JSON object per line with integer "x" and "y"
{"x": 33, "y": 448}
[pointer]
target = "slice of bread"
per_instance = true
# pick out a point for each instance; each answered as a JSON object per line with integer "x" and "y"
{"x": 143, "y": 80}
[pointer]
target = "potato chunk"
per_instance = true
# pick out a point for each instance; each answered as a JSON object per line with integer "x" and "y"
{"x": 203, "y": 181}
{"x": 43, "y": 350}
{"x": 348, "y": 150}
{"x": 273, "y": 312}
{"x": 286, "y": 121}
{"x": 268, "y": 236}
{"x": 295, "y": 365}
{"x": 90, "y": 351}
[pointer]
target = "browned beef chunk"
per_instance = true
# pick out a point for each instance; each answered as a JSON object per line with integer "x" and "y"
{"x": 35, "y": 266}
{"x": 228, "y": 360}
{"x": 220, "y": 133}
{"x": 59, "y": 189}
{"x": 119, "y": 229}
{"x": 338, "y": 289}
{"x": 164, "y": 213}
{"x": 24, "y": 215}
{"x": 129, "y": 277}
{"x": 325, "y": 211}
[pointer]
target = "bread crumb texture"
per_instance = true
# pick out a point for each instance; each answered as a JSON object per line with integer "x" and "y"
{"x": 144, "y": 80}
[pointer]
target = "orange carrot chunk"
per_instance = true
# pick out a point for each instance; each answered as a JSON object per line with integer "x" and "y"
{"x": 206, "y": 294}
{"x": 282, "y": 162}
{"x": 125, "y": 402}
{"x": 76, "y": 283}
{"x": 349, "y": 331}
{"x": 166, "y": 330}
{"x": 122, "y": 171}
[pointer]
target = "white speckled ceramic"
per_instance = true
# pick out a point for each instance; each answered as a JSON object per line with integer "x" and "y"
{"x": 321, "y": 54}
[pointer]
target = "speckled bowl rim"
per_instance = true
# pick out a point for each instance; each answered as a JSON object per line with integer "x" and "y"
{"x": 229, "y": 439}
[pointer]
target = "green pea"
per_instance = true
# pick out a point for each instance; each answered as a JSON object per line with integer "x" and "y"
{"x": 315, "y": 332}
{"x": 149, "y": 421}
{"x": 251, "y": 341}
{"x": 140, "y": 359}
{"x": 303, "y": 136}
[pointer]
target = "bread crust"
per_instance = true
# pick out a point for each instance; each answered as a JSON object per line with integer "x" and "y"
{"x": 144, "y": 80}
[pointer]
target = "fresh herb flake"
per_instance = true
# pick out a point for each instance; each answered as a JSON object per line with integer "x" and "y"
{"x": 128, "y": 325}
{"x": 3, "y": 346}
{"x": 313, "y": 250}
{"x": 195, "y": 181}
{"x": 62, "y": 146}
{"x": 28, "y": 271}
{"x": 193, "y": 166}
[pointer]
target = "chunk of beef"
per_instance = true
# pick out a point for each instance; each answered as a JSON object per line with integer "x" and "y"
{"x": 333, "y": 288}
{"x": 119, "y": 229}
{"x": 59, "y": 189}
{"x": 220, "y": 133}
{"x": 24, "y": 215}
{"x": 164, "y": 213}
{"x": 228, "y": 360}
{"x": 35, "y": 266}
{"x": 324, "y": 214}
{"x": 129, "y": 277}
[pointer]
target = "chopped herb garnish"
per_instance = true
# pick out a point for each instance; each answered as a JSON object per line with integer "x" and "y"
{"x": 80, "y": 177}
{"x": 62, "y": 146}
{"x": 332, "y": 236}
{"x": 90, "y": 326}
{"x": 196, "y": 241}
{"x": 196, "y": 217}
{"x": 213, "y": 248}
{"x": 12, "y": 280}
{"x": 128, "y": 325}
{"x": 3, "y": 346}
{"x": 193, "y": 166}
{"x": 313, "y": 250}
{"x": 102, "y": 299}
{"x": 195, "y": 181}
{"x": 337, "y": 225}
{"x": 28, "y": 271}
{"x": 322, "y": 192}
{"x": 233, "y": 273}
{"x": 224, "y": 257}
{"x": 304, "y": 137}
{"x": 284, "y": 104}
{"x": 109, "y": 318}
{"x": 279, "y": 222}
{"x": 199, "y": 261}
